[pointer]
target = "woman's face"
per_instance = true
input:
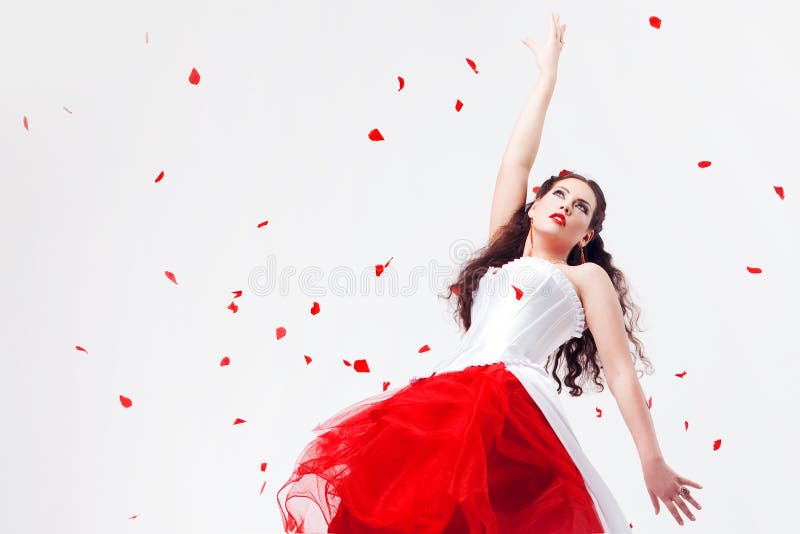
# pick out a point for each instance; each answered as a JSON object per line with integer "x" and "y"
{"x": 573, "y": 199}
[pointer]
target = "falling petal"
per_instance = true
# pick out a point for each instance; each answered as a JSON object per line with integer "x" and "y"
{"x": 194, "y": 77}
{"x": 348, "y": 364}
{"x": 233, "y": 307}
{"x": 717, "y": 444}
{"x": 655, "y": 22}
{"x": 703, "y": 164}
{"x": 375, "y": 135}
{"x": 454, "y": 289}
{"x": 239, "y": 421}
{"x": 459, "y": 105}
{"x": 378, "y": 269}
{"x": 263, "y": 466}
{"x": 650, "y": 402}
{"x": 424, "y": 348}
{"x": 387, "y": 263}
{"x": 472, "y": 65}
{"x": 78, "y": 347}
{"x": 315, "y": 308}
{"x": 563, "y": 172}
{"x": 262, "y": 487}
{"x": 361, "y": 366}
{"x": 25, "y": 122}
{"x": 67, "y": 110}
{"x": 263, "y": 223}
{"x": 171, "y": 276}
{"x": 385, "y": 385}
{"x": 308, "y": 359}
{"x": 280, "y": 332}
{"x": 237, "y": 293}
{"x": 225, "y": 361}
{"x": 146, "y": 38}
{"x": 681, "y": 374}
{"x": 402, "y": 82}
{"x": 599, "y": 411}
{"x": 755, "y": 270}
{"x": 686, "y": 425}
{"x": 160, "y": 176}
{"x": 134, "y": 516}
{"x": 125, "y": 401}
{"x": 779, "y": 190}
{"x": 518, "y": 291}
{"x": 535, "y": 189}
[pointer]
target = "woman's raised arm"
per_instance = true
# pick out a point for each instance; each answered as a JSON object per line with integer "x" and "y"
{"x": 511, "y": 186}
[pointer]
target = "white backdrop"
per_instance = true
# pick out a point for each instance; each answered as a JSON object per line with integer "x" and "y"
{"x": 277, "y": 130}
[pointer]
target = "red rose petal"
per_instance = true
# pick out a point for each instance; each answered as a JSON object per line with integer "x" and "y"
{"x": 385, "y": 385}
{"x": 655, "y": 22}
{"x": 402, "y": 83}
{"x": 237, "y": 293}
{"x": 650, "y": 402}
{"x": 686, "y": 425}
{"x": 160, "y": 176}
{"x": 262, "y": 487}
{"x": 424, "y": 348}
{"x": 146, "y": 38}
{"x": 263, "y": 223}
{"x": 599, "y": 412}
{"x": 280, "y": 332}
{"x": 25, "y": 122}
{"x": 315, "y": 308}
{"x": 518, "y": 291}
{"x": 387, "y": 263}
{"x": 125, "y": 401}
{"x": 779, "y": 190}
{"x": 239, "y": 421}
{"x": 134, "y": 516}
{"x": 535, "y": 189}
{"x": 361, "y": 366}
{"x": 194, "y": 77}
{"x": 681, "y": 374}
{"x": 308, "y": 359}
{"x": 378, "y": 269}
{"x": 755, "y": 270}
{"x": 225, "y": 361}
{"x": 78, "y": 347}
{"x": 472, "y": 65}
{"x": 263, "y": 466}
{"x": 375, "y": 135}
{"x": 454, "y": 289}
{"x": 563, "y": 172}
{"x": 717, "y": 444}
{"x": 703, "y": 164}
{"x": 171, "y": 276}
{"x": 348, "y": 364}
{"x": 459, "y": 105}
{"x": 233, "y": 307}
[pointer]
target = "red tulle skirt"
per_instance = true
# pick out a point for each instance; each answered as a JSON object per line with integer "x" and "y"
{"x": 466, "y": 451}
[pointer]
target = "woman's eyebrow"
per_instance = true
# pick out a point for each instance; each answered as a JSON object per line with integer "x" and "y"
{"x": 562, "y": 187}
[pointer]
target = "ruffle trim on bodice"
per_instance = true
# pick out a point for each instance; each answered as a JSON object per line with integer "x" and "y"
{"x": 566, "y": 286}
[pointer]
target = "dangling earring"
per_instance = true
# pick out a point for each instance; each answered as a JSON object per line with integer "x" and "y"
{"x": 531, "y": 232}
{"x": 583, "y": 258}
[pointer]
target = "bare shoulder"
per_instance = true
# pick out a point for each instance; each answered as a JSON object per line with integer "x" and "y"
{"x": 586, "y": 276}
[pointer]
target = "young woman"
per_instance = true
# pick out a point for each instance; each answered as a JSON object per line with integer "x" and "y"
{"x": 482, "y": 444}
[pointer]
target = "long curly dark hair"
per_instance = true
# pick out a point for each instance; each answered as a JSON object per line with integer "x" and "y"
{"x": 508, "y": 243}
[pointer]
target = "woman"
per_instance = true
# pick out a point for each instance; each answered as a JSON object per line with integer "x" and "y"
{"x": 482, "y": 445}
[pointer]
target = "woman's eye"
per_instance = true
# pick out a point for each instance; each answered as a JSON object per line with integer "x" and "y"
{"x": 584, "y": 209}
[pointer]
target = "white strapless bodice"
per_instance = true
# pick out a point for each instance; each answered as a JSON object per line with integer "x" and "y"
{"x": 524, "y": 330}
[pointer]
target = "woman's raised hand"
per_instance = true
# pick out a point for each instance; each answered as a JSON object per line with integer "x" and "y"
{"x": 547, "y": 55}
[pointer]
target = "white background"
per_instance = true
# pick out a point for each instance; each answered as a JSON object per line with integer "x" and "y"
{"x": 277, "y": 130}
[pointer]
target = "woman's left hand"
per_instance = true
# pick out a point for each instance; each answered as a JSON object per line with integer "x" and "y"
{"x": 665, "y": 484}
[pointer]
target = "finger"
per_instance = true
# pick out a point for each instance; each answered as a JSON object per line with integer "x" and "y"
{"x": 682, "y": 505}
{"x": 654, "y": 500}
{"x": 688, "y": 482}
{"x": 673, "y": 511}
{"x": 691, "y": 500}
